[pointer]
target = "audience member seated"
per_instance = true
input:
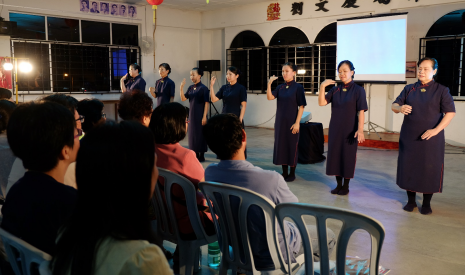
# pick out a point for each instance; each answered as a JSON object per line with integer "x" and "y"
{"x": 169, "y": 126}
{"x": 6, "y": 156}
{"x": 44, "y": 136}
{"x": 136, "y": 105}
{"x": 110, "y": 231}
{"x": 226, "y": 138}
{"x": 92, "y": 110}
{"x": 70, "y": 103}
{"x": 5, "y": 94}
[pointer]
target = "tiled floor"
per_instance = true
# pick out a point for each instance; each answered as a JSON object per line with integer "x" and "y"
{"x": 414, "y": 244}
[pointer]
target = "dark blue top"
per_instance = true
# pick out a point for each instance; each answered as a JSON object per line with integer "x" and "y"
{"x": 233, "y": 96}
{"x": 36, "y": 207}
{"x": 270, "y": 184}
{"x": 136, "y": 83}
{"x": 198, "y": 94}
{"x": 164, "y": 89}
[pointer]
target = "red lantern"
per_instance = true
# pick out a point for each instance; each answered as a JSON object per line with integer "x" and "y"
{"x": 155, "y": 2}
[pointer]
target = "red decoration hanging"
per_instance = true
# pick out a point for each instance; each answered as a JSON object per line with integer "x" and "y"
{"x": 273, "y": 12}
{"x": 155, "y": 2}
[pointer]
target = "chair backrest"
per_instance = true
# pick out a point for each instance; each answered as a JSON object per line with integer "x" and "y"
{"x": 218, "y": 197}
{"x": 164, "y": 222}
{"x": 351, "y": 221}
{"x": 24, "y": 257}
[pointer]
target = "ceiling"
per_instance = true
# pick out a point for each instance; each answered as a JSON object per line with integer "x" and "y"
{"x": 201, "y": 5}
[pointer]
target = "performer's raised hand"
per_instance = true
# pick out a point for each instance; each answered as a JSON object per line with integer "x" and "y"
{"x": 152, "y": 91}
{"x": 183, "y": 83}
{"x": 124, "y": 77}
{"x": 406, "y": 109}
{"x": 213, "y": 80}
{"x": 272, "y": 78}
{"x": 327, "y": 82}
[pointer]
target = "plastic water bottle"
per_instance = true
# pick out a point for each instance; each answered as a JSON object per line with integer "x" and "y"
{"x": 214, "y": 254}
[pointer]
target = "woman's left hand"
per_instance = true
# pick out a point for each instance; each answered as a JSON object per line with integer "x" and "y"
{"x": 429, "y": 134}
{"x": 295, "y": 128}
{"x": 204, "y": 121}
{"x": 360, "y": 135}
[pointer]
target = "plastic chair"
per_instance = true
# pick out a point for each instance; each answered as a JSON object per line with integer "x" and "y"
{"x": 226, "y": 228}
{"x": 351, "y": 221}
{"x": 23, "y": 257}
{"x": 167, "y": 226}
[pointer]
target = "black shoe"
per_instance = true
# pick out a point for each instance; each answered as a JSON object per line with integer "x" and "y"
{"x": 336, "y": 190}
{"x": 290, "y": 178}
{"x": 426, "y": 210}
{"x": 343, "y": 192}
{"x": 409, "y": 207}
{"x": 284, "y": 176}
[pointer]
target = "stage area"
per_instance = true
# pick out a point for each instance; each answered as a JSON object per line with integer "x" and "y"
{"x": 414, "y": 244}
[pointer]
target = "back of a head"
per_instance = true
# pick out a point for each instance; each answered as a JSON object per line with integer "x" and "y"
{"x": 5, "y": 94}
{"x": 168, "y": 123}
{"x": 223, "y": 134}
{"x": 114, "y": 177}
{"x": 6, "y": 109}
{"x": 65, "y": 100}
{"x": 91, "y": 109}
{"x": 37, "y": 133}
{"x": 135, "y": 105}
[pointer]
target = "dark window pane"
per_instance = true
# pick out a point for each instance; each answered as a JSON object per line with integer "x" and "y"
{"x": 289, "y": 36}
{"x": 257, "y": 70}
{"x": 247, "y": 39}
{"x": 95, "y": 32}
{"x": 327, "y": 34}
{"x": 38, "y": 55}
{"x": 60, "y": 29}
{"x": 121, "y": 59}
{"x": 125, "y": 34}
{"x": 29, "y": 26}
{"x": 450, "y": 24}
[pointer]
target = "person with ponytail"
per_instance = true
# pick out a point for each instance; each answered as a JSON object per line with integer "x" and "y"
{"x": 348, "y": 107}
{"x": 135, "y": 81}
{"x": 199, "y": 100}
{"x": 290, "y": 100}
{"x": 164, "y": 87}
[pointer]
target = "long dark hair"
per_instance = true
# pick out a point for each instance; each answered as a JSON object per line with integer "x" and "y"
{"x": 114, "y": 177}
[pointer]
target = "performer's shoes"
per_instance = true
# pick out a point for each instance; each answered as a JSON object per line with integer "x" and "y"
{"x": 336, "y": 190}
{"x": 284, "y": 176}
{"x": 410, "y": 206}
{"x": 202, "y": 159}
{"x": 343, "y": 192}
{"x": 290, "y": 178}
{"x": 426, "y": 210}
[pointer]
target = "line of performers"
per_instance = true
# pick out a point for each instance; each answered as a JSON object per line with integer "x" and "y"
{"x": 428, "y": 108}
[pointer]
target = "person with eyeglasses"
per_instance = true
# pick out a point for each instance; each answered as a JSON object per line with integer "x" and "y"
{"x": 44, "y": 136}
{"x": 92, "y": 112}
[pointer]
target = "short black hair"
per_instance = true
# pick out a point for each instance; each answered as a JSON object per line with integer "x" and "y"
{"x": 348, "y": 63}
{"x": 234, "y": 70}
{"x": 91, "y": 109}
{"x": 114, "y": 5}
{"x": 168, "y": 123}
{"x": 5, "y": 93}
{"x": 292, "y": 65}
{"x": 223, "y": 134}
{"x": 37, "y": 134}
{"x": 199, "y": 71}
{"x": 136, "y": 66}
{"x": 433, "y": 60}
{"x": 68, "y": 101}
{"x": 6, "y": 109}
{"x": 135, "y": 105}
{"x": 166, "y": 66}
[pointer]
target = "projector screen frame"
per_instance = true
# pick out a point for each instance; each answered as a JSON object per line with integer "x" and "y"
{"x": 367, "y": 17}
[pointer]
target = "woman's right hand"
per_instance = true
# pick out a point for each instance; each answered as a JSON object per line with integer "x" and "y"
{"x": 272, "y": 78}
{"x": 405, "y": 109}
{"x": 183, "y": 83}
{"x": 124, "y": 77}
{"x": 327, "y": 82}
{"x": 212, "y": 82}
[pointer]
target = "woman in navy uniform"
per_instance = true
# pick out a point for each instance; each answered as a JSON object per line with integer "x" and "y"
{"x": 136, "y": 82}
{"x": 199, "y": 100}
{"x": 290, "y": 107}
{"x": 348, "y": 107}
{"x": 234, "y": 95}
{"x": 164, "y": 87}
{"x": 428, "y": 108}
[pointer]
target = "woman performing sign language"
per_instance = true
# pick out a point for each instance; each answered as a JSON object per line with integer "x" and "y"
{"x": 290, "y": 107}
{"x": 428, "y": 108}
{"x": 348, "y": 107}
{"x": 164, "y": 87}
{"x": 198, "y": 96}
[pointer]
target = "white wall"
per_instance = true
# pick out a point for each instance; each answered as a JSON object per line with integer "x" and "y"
{"x": 421, "y": 16}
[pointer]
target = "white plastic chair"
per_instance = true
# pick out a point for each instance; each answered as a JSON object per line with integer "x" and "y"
{"x": 226, "y": 228}
{"x": 351, "y": 221}
{"x": 23, "y": 257}
{"x": 167, "y": 226}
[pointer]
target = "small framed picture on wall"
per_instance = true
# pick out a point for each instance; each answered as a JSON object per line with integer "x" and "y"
{"x": 114, "y": 10}
{"x": 411, "y": 69}
{"x": 104, "y": 9}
